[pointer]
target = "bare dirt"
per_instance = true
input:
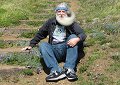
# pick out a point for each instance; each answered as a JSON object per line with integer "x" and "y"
{"x": 12, "y": 49}
{"x": 36, "y": 79}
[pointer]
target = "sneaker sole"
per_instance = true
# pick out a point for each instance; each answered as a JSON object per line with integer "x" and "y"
{"x": 58, "y": 78}
{"x": 70, "y": 79}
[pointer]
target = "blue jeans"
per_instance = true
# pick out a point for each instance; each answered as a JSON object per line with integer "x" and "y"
{"x": 51, "y": 54}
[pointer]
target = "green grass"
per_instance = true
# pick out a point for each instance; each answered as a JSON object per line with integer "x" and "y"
{"x": 29, "y": 34}
{"x": 35, "y": 23}
{"x": 94, "y": 79}
{"x": 116, "y": 56}
{"x": 2, "y": 44}
{"x": 115, "y": 44}
{"x": 101, "y": 33}
{"x": 30, "y": 60}
{"x": 94, "y": 56}
{"x": 115, "y": 66}
{"x": 12, "y": 11}
{"x": 8, "y": 44}
{"x": 23, "y": 59}
{"x": 28, "y": 72}
{"x": 1, "y": 33}
{"x": 118, "y": 82}
{"x": 90, "y": 9}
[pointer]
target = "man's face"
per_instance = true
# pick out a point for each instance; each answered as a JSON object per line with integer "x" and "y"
{"x": 61, "y": 13}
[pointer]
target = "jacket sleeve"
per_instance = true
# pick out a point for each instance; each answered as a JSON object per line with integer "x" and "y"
{"x": 79, "y": 31}
{"x": 41, "y": 34}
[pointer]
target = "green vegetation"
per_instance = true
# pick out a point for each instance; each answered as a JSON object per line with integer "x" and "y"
{"x": 90, "y": 9}
{"x": 2, "y": 44}
{"x": 7, "y": 44}
{"x": 29, "y": 34}
{"x": 28, "y": 72}
{"x": 95, "y": 55}
{"x": 1, "y": 34}
{"x": 10, "y": 14}
{"x": 12, "y": 11}
{"x": 30, "y": 60}
{"x": 23, "y": 59}
{"x": 101, "y": 21}
{"x": 115, "y": 66}
{"x": 35, "y": 23}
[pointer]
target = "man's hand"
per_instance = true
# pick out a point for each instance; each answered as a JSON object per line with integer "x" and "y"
{"x": 72, "y": 42}
{"x": 26, "y": 48}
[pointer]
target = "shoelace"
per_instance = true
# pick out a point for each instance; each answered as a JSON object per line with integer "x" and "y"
{"x": 53, "y": 72}
{"x": 70, "y": 70}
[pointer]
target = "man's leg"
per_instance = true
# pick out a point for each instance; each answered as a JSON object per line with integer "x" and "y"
{"x": 72, "y": 54}
{"x": 71, "y": 60}
{"x": 47, "y": 53}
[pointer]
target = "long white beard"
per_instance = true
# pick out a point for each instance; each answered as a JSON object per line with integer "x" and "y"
{"x": 66, "y": 21}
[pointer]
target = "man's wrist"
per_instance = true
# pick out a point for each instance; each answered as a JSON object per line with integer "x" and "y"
{"x": 78, "y": 39}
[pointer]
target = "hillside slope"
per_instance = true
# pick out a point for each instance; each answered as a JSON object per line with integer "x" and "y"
{"x": 19, "y": 21}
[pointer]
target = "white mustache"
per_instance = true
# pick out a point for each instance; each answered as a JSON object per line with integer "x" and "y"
{"x": 66, "y": 20}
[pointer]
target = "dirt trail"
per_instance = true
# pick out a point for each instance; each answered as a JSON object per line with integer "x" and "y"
{"x": 7, "y": 67}
{"x": 13, "y": 49}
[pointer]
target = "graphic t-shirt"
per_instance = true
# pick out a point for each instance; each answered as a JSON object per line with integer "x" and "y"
{"x": 59, "y": 34}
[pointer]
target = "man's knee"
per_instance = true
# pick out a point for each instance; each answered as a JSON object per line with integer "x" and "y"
{"x": 72, "y": 36}
{"x": 43, "y": 46}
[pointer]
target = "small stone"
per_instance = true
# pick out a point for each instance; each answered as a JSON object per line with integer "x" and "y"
{"x": 98, "y": 65}
{"x": 39, "y": 70}
{"x": 108, "y": 44}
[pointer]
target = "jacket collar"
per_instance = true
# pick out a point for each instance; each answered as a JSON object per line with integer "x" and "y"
{"x": 53, "y": 21}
